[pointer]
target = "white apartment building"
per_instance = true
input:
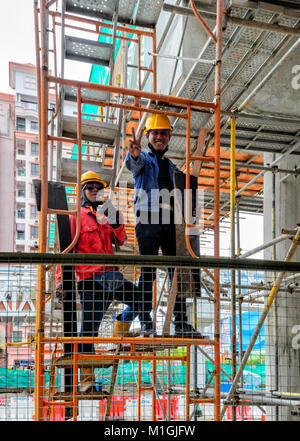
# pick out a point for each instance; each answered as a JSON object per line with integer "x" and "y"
{"x": 26, "y": 155}
{"x": 19, "y": 218}
{"x": 7, "y": 178}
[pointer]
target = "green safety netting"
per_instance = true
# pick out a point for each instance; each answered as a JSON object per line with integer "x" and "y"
{"x": 254, "y": 369}
{"x": 128, "y": 374}
{"x": 21, "y": 378}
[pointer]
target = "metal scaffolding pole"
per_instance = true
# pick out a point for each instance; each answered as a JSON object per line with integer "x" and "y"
{"x": 240, "y": 300}
{"x": 279, "y": 158}
{"x": 263, "y": 316}
{"x": 232, "y": 253}
{"x": 218, "y": 70}
{"x": 41, "y": 288}
{"x": 265, "y": 245}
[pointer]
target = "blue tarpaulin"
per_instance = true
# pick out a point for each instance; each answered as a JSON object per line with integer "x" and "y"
{"x": 249, "y": 322}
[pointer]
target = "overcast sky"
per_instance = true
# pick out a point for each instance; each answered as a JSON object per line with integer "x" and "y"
{"x": 16, "y": 37}
{"x": 17, "y": 40}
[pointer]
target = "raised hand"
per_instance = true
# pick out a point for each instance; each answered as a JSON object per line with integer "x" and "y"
{"x": 134, "y": 144}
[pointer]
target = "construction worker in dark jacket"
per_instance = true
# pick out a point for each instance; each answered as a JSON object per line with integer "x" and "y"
{"x": 153, "y": 172}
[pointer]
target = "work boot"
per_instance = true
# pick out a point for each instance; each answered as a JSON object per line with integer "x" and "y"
{"x": 183, "y": 329}
{"x": 148, "y": 330}
{"x": 87, "y": 380}
{"x": 121, "y": 329}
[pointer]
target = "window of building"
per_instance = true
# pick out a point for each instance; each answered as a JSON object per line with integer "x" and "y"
{"x": 34, "y": 232}
{"x": 35, "y": 169}
{"x": 21, "y": 206}
{"x": 21, "y": 193}
{"x": 20, "y": 144}
{"x": 30, "y": 82}
{"x": 34, "y": 148}
{"x": 34, "y": 125}
{"x": 21, "y": 163}
{"x": 21, "y": 167}
{"x": 17, "y": 336}
{"x": 20, "y": 248}
{"x": 20, "y": 227}
{"x": 20, "y": 231}
{"x": 21, "y": 189}
{"x": 21, "y": 124}
{"x": 29, "y": 105}
{"x": 33, "y": 211}
{"x": 21, "y": 213}
{"x": 20, "y": 235}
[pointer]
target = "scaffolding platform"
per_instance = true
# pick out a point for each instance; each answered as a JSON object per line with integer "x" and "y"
{"x": 68, "y": 169}
{"x": 88, "y": 51}
{"x": 145, "y": 15}
{"x": 70, "y": 93}
{"x": 68, "y": 361}
{"x": 96, "y": 131}
{"x": 68, "y": 396}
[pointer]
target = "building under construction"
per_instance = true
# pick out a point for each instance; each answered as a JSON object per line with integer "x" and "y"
{"x": 227, "y": 76}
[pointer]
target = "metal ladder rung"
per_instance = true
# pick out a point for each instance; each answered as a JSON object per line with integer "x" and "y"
{"x": 54, "y": 211}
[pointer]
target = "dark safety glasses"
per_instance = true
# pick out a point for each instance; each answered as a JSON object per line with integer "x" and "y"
{"x": 91, "y": 186}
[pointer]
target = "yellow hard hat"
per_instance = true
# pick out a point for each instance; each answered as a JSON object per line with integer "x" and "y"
{"x": 157, "y": 122}
{"x": 91, "y": 176}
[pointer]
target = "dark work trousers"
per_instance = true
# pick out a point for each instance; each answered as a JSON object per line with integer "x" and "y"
{"x": 95, "y": 301}
{"x": 150, "y": 238}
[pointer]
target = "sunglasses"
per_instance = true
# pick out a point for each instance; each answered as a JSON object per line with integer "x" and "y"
{"x": 92, "y": 186}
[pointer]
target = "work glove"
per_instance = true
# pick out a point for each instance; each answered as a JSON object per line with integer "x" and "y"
{"x": 113, "y": 215}
{"x": 59, "y": 293}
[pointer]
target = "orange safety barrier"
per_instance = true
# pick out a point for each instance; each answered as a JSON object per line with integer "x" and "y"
{"x": 247, "y": 413}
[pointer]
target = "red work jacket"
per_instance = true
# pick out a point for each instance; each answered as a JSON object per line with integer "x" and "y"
{"x": 94, "y": 238}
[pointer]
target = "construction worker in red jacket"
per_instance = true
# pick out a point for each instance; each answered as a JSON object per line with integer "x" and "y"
{"x": 98, "y": 286}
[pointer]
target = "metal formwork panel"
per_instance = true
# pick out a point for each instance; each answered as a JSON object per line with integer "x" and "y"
{"x": 143, "y": 13}
{"x": 88, "y": 51}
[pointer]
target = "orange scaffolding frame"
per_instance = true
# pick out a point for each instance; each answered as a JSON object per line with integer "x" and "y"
{"x": 44, "y": 79}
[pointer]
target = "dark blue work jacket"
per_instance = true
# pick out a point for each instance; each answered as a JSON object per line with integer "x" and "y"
{"x": 145, "y": 172}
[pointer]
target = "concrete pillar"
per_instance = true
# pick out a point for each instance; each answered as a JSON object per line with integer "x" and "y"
{"x": 286, "y": 310}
